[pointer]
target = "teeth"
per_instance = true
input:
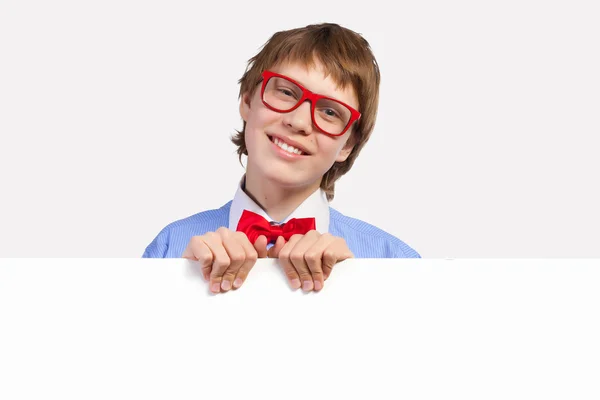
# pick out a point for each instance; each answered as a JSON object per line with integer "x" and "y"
{"x": 286, "y": 147}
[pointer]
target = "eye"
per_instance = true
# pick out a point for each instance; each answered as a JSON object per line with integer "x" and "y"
{"x": 287, "y": 92}
{"x": 285, "y": 89}
{"x": 330, "y": 112}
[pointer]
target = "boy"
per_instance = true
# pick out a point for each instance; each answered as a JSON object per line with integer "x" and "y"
{"x": 309, "y": 101}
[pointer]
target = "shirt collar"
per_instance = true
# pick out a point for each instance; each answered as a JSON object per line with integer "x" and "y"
{"x": 316, "y": 205}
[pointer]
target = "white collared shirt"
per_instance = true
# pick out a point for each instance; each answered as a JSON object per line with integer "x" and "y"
{"x": 315, "y": 206}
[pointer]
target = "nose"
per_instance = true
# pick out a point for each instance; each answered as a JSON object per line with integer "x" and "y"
{"x": 300, "y": 120}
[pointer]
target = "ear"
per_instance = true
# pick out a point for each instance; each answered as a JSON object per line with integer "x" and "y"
{"x": 346, "y": 150}
{"x": 245, "y": 106}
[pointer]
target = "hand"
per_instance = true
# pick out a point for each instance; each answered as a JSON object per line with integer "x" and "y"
{"x": 309, "y": 258}
{"x": 226, "y": 257}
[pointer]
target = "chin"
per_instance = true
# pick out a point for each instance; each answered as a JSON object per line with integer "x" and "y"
{"x": 283, "y": 174}
{"x": 290, "y": 179}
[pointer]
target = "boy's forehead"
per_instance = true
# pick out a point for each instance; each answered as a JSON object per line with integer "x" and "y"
{"x": 302, "y": 67}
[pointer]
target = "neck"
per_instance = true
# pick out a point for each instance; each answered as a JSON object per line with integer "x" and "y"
{"x": 277, "y": 201}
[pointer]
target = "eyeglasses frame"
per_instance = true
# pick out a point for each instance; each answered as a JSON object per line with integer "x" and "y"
{"x": 306, "y": 95}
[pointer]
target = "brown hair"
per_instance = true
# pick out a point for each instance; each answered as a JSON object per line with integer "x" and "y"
{"x": 346, "y": 56}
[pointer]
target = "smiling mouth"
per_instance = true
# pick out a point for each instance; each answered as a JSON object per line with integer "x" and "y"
{"x": 286, "y": 147}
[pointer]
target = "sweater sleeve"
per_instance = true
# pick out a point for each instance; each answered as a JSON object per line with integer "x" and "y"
{"x": 159, "y": 246}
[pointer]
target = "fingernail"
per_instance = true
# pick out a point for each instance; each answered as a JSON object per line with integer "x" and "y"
{"x": 237, "y": 283}
{"x": 225, "y": 285}
{"x": 307, "y": 285}
{"x": 295, "y": 283}
{"x": 318, "y": 285}
{"x": 215, "y": 287}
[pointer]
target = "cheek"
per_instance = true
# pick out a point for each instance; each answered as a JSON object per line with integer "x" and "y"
{"x": 252, "y": 126}
{"x": 261, "y": 119}
{"x": 256, "y": 127}
{"x": 330, "y": 146}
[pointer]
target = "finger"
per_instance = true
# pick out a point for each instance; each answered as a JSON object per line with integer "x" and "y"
{"x": 326, "y": 271}
{"x": 251, "y": 256}
{"x": 273, "y": 252}
{"x": 313, "y": 257}
{"x": 198, "y": 250}
{"x": 284, "y": 260}
{"x": 237, "y": 256}
{"x": 220, "y": 260}
{"x": 336, "y": 252}
{"x": 295, "y": 255}
{"x": 261, "y": 246}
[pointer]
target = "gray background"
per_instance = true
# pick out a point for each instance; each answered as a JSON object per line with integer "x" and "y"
{"x": 115, "y": 118}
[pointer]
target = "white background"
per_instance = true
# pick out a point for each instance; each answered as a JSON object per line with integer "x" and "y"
{"x": 115, "y": 118}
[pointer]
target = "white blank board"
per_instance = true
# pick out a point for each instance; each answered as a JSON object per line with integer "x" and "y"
{"x": 148, "y": 328}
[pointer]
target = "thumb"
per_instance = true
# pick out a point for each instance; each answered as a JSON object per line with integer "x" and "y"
{"x": 261, "y": 246}
{"x": 274, "y": 251}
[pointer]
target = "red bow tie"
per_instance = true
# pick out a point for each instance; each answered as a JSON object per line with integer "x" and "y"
{"x": 253, "y": 225}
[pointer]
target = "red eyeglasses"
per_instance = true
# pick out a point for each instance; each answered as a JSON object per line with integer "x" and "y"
{"x": 282, "y": 94}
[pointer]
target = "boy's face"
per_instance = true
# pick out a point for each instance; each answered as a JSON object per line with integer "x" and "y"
{"x": 265, "y": 129}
